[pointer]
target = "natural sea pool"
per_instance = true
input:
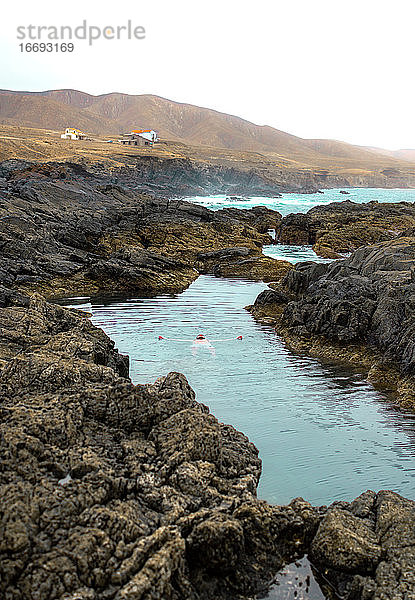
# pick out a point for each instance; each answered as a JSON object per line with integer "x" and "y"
{"x": 322, "y": 431}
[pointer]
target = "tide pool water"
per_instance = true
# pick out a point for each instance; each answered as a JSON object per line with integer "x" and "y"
{"x": 322, "y": 431}
{"x": 293, "y": 254}
{"x": 295, "y": 203}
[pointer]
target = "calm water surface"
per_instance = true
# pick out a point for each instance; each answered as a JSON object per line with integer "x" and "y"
{"x": 323, "y": 432}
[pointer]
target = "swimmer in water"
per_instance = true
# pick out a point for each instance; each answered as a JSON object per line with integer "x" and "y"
{"x": 202, "y": 341}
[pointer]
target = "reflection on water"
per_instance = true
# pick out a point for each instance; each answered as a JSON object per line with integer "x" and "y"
{"x": 297, "y": 581}
{"x": 323, "y": 432}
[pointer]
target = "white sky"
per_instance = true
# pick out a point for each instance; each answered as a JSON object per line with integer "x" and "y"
{"x": 341, "y": 69}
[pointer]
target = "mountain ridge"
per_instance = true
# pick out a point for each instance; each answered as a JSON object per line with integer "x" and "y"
{"x": 115, "y": 112}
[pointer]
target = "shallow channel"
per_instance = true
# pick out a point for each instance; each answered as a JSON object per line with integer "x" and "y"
{"x": 323, "y": 432}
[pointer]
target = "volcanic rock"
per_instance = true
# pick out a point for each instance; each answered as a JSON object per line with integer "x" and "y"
{"x": 341, "y": 227}
{"x": 65, "y": 230}
{"x": 372, "y": 540}
{"x": 260, "y": 217}
{"x": 242, "y": 262}
{"x": 111, "y": 490}
{"x": 365, "y": 301}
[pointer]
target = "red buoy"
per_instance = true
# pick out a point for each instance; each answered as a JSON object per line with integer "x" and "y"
{"x": 239, "y": 337}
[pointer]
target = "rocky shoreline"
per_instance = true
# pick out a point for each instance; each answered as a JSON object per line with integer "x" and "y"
{"x": 339, "y": 228}
{"x": 177, "y": 177}
{"x": 62, "y": 233}
{"x": 112, "y": 490}
{"x": 357, "y": 310}
{"x": 116, "y": 491}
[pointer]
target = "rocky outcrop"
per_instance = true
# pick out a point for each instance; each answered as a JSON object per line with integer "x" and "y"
{"x": 172, "y": 176}
{"x": 260, "y": 217}
{"x": 358, "y": 309}
{"x": 242, "y": 262}
{"x": 367, "y": 547}
{"x": 181, "y": 177}
{"x": 382, "y": 178}
{"x": 64, "y": 231}
{"x": 121, "y": 491}
{"x": 341, "y": 227}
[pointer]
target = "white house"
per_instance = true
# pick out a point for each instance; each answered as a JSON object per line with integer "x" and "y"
{"x": 73, "y": 134}
{"x": 140, "y": 137}
{"x": 147, "y": 134}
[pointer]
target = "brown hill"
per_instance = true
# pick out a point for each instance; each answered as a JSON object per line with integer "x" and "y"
{"x": 404, "y": 154}
{"x": 110, "y": 114}
{"x": 45, "y": 113}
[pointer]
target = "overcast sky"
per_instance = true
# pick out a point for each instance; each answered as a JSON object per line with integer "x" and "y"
{"x": 314, "y": 68}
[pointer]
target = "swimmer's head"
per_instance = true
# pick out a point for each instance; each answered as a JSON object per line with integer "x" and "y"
{"x": 200, "y": 337}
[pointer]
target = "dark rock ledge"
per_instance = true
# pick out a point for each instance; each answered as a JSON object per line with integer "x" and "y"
{"x": 64, "y": 230}
{"x": 338, "y": 228}
{"x": 359, "y": 310}
{"x": 116, "y": 491}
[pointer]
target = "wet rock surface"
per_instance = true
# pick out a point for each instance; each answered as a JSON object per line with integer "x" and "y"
{"x": 242, "y": 262}
{"x": 341, "y": 227}
{"x": 365, "y": 300}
